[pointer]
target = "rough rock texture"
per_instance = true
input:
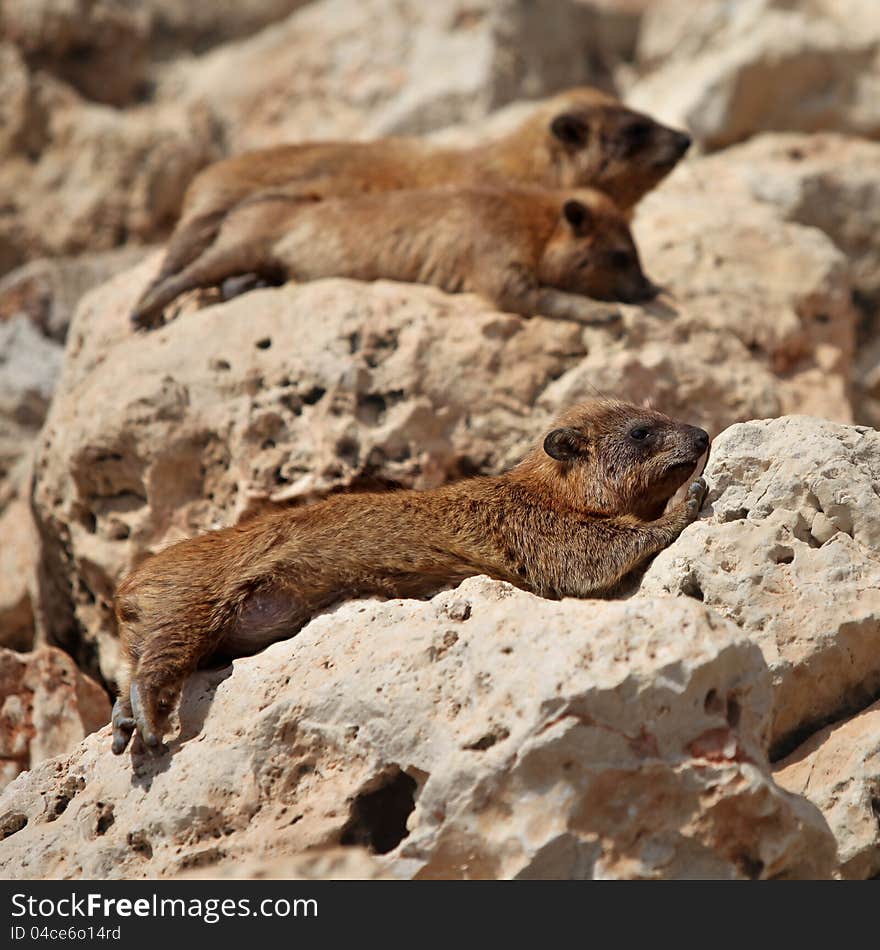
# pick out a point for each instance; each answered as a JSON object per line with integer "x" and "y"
{"x": 728, "y": 70}
{"x": 48, "y": 290}
{"x": 339, "y": 863}
{"x": 18, "y": 565}
{"x": 838, "y": 769}
{"x": 29, "y": 367}
{"x": 255, "y": 398}
{"x": 98, "y": 46}
{"x": 483, "y": 734}
{"x": 194, "y": 27}
{"x": 825, "y": 181}
{"x": 343, "y": 68}
{"x": 790, "y": 555}
{"x": 93, "y": 177}
{"x": 46, "y": 707}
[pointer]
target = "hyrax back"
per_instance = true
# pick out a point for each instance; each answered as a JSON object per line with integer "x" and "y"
{"x": 527, "y": 250}
{"x": 582, "y": 510}
{"x": 580, "y": 138}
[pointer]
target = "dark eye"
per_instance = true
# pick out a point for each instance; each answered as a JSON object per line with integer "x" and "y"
{"x": 639, "y": 434}
{"x": 638, "y": 131}
{"x": 620, "y": 260}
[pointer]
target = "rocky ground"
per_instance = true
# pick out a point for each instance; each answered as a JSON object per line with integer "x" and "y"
{"x": 719, "y": 719}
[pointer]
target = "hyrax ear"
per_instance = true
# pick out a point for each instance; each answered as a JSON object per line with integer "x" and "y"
{"x": 570, "y": 130}
{"x": 578, "y": 215}
{"x": 565, "y": 445}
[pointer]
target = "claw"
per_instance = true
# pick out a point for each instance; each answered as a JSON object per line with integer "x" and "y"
{"x": 123, "y": 725}
{"x": 141, "y": 720}
{"x": 142, "y": 322}
{"x": 696, "y": 495}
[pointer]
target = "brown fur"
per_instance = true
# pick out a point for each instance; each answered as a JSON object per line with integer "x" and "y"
{"x": 526, "y": 249}
{"x": 580, "y": 138}
{"x": 575, "y": 516}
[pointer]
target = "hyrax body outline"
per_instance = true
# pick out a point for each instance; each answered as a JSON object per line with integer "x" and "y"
{"x": 581, "y": 511}
{"x": 577, "y": 139}
{"x": 527, "y": 250}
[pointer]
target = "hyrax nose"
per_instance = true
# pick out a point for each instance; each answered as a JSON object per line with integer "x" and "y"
{"x": 701, "y": 439}
{"x": 683, "y": 142}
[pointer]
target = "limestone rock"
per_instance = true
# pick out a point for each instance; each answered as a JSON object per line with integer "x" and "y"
{"x": 838, "y": 770}
{"x": 338, "y": 68}
{"x": 727, "y": 70}
{"x": 47, "y": 290}
{"x": 46, "y": 707}
{"x": 322, "y": 864}
{"x": 18, "y": 564}
{"x": 825, "y": 181}
{"x": 98, "y": 46}
{"x": 484, "y": 733}
{"x": 789, "y": 554}
{"x": 101, "y": 177}
{"x": 195, "y": 27}
{"x": 29, "y": 367}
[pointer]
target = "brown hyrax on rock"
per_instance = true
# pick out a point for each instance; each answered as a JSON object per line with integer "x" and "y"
{"x": 583, "y": 509}
{"x": 580, "y": 138}
{"x": 529, "y": 251}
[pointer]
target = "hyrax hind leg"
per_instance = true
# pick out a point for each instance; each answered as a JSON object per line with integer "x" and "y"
{"x": 241, "y": 242}
{"x": 210, "y": 269}
{"x": 149, "y": 688}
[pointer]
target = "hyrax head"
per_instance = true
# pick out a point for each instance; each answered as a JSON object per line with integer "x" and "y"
{"x": 592, "y": 252}
{"x": 631, "y": 459}
{"x": 597, "y": 141}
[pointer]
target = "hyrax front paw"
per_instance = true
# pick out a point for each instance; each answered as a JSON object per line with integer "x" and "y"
{"x": 144, "y": 320}
{"x": 695, "y": 496}
{"x": 149, "y": 730}
{"x": 123, "y": 725}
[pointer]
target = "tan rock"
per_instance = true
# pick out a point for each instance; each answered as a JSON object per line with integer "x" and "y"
{"x": 98, "y": 46}
{"x": 29, "y": 367}
{"x": 789, "y": 554}
{"x": 195, "y": 27}
{"x": 322, "y": 864}
{"x": 826, "y": 181}
{"x": 838, "y": 770}
{"x": 97, "y": 177}
{"x": 46, "y": 707}
{"x": 47, "y": 290}
{"x": 484, "y": 733}
{"x": 18, "y": 564}
{"x": 729, "y": 70}
{"x": 340, "y": 68}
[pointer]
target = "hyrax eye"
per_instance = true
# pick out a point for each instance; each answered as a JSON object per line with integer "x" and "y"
{"x": 638, "y": 131}
{"x": 620, "y": 260}
{"x": 640, "y": 433}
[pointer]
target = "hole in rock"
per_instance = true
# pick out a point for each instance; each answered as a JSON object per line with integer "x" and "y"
{"x": 105, "y": 818}
{"x": 264, "y": 344}
{"x": 378, "y": 818}
{"x": 11, "y": 824}
{"x": 750, "y": 867}
{"x": 313, "y": 395}
{"x": 734, "y": 710}
{"x": 690, "y": 587}
{"x": 712, "y": 703}
{"x": 140, "y": 843}
{"x": 487, "y": 741}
